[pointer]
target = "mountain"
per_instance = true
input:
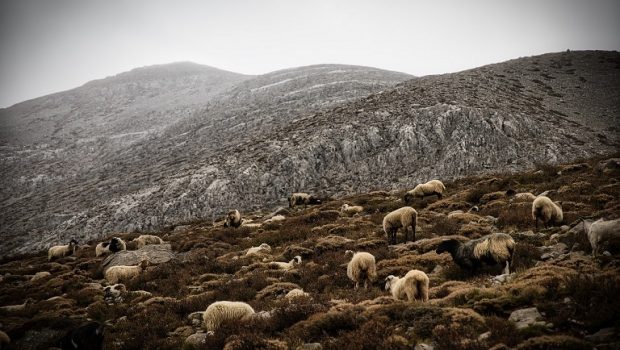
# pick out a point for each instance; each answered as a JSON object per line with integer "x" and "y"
{"x": 172, "y": 128}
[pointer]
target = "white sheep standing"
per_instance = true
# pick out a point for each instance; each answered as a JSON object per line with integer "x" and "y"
{"x": 143, "y": 240}
{"x": 59, "y": 251}
{"x": 278, "y": 265}
{"x": 404, "y": 217}
{"x": 414, "y": 286}
{"x": 263, "y": 247}
{"x": 433, "y": 187}
{"x": 233, "y": 219}
{"x": 361, "y": 268}
{"x": 601, "y": 231}
{"x": 546, "y": 210}
{"x": 225, "y": 311}
{"x": 115, "y": 274}
{"x": 351, "y": 210}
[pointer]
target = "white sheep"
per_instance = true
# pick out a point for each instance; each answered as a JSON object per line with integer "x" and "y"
{"x": 404, "y": 217}
{"x": 524, "y": 196}
{"x": 113, "y": 246}
{"x": 433, "y": 187}
{"x": 115, "y": 274}
{"x": 233, "y": 219}
{"x": 62, "y": 250}
{"x": 361, "y": 268}
{"x": 143, "y": 240}
{"x": 225, "y": 311}
{"x": 263, "y": 247}
{"x": 601, "y": 231}
{"x": 296, "y": 293}
{"x": 302, "y": 198}
{"x": 546, "y": 210}
{"x": 285, "y": 265}
{"x": 351, "y": 210}
{"x": 414, "y": 286}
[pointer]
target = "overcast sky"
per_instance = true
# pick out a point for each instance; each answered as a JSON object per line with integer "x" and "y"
{"x": 52, "y": 45}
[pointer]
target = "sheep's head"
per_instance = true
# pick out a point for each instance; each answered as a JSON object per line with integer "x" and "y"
{"x": 349, "y": 253}
{"x": 344, "y": 207}
{"x": 73, "y": 243}
{"x": 265, "y": 246}
{"x": 313, "y": 200}
{"x": 389, "y": 281}
{"x": 449, "y": 246}
{"x": 144, "y": 264}
{"x": 297, "y": 259}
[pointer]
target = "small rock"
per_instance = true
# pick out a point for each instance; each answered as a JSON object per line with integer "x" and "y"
{"x": 524, "y": 318}
{"x": 424, "y": 346}
{"x": 484, "y": 336}
{"x": 500, "y": 279}
{"x": 603, "y": 336}
{"x": 606, "y": 253}
{"x": 310, "y": 346}
{"x": 181, "y": 228}
{"x": 196, "y": 339}
{"x": 195, "y": 318}
{"x": 40, "y": 275}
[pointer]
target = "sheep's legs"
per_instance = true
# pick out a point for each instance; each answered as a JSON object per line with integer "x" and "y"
{"x": 506, "y": 269}
{"x": 357, "y": 284}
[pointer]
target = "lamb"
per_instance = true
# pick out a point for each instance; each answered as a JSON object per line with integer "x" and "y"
{"x": 225, "y": 311}
{"x": 433, "y": 187}
{"x": 496, "y": 248}
{"x": 601, "y": 231}
{"x": 351, "y": 210}
{"x": 277, "y": 265}
{"x": 404, "y": 217}
{"x": 263, "y": 247}
{"x": 62, "y": 250}
{"x": 233, "y": 219}
{"x": 361, "y": 268}
{"x": 414, "y": 286}
{"x": 547, "y": 211}
{"x": 17, "y": 308}
{"x": 87, "y": 336}
{"x": 116, "y": 273}
{"x": 113, "y": 246}
{"x": 302, "y": 198}
{"x": 143, "y": 240}
{"x": 114, "y": 293}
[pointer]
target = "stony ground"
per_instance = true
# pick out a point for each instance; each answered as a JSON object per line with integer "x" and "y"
{"x": 560, "y": 296}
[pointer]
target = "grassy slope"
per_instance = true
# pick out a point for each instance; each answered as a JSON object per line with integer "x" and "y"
{"x": 575, "y": 293}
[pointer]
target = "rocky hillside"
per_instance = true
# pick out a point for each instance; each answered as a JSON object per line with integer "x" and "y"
{"x": 105, "y": 143}
{"x": 559, "y": 296}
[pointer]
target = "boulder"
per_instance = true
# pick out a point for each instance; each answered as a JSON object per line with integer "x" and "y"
{"x": 154, "y": 253}
{"x": 524, "y": 318}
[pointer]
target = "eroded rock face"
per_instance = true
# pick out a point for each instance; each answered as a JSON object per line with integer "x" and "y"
{"x": 154, "y": 253}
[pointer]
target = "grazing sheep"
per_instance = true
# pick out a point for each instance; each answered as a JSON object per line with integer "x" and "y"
{"x": 233, "y": 219}
{"x": 433, "y": 187}
{"x": 113, "y": 246}
{"x": 116, "y": 273}
{"x": 361, "y": 268}
{"x": 223, "y": 311}
{"x": 62, "y": 250}
{"x": 490, "y": 249}
{"x": 285, "y": 266}
{"x": 263, "y": 247}
{"x": 414, "y": 286}
{"x": 601, "y": 231}
{"x": 302, "y": 198}
{"x": 114, "y": 293}
{"x": 404, "y": 217}
{"x": 87, "y": 336}
{"x": 17, "y": 308}
{"x": 547, "y": 211}
{"x": 351, "y": 210}
{"x": 143, "y": 240}
{"x": 296, "y": 293}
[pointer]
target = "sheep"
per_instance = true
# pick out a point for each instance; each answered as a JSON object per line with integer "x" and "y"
{"x": 263, "y": 247}
{"x": 116, "y": 273}
{"x": 87, "y": 336}
{"x": 601, "y": 231}
{"x": 114, "y": 293}
{"x": 362, "y": 267}
{"x": 225, "y": 311}
{"x": 285, "y": 266}
{"x": 524, "y": 196}
{"x": 143, "y": 240}
{"x": 546, "y": 210}
{"x": 296, "y": 293}
{"x": 351, "y": 210}
{"x": 302, "y": 198}
{"x": 113, "y": 246}
{"x": 17, "y": 308}
{"x": 61, "y": 250}
{"x": 490, "y": 249}
{"x": 404, "y": 217}
{"x": 233, "y": 219}
{"x": 433, "y": 187}
{"x": 275, "y": 218}
{"x": 414, "y": 286}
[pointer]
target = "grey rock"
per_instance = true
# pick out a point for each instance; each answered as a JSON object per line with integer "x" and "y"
{"x": 39, "y": 275}
{"x": 526, "y": 317}
{"x": 181, "y": 228}
{"x": 195, "y": 318}
{"x": 196, "y": 339}
{"x": 501, "y": 279}
{"x": 154, "y": 253}
{"x": 603, "y": 335}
